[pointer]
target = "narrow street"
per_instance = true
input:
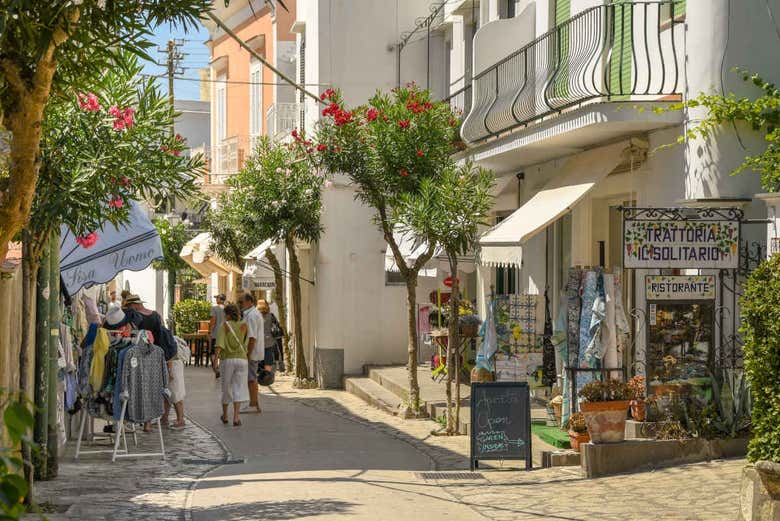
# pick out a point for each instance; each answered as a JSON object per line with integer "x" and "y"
{"x": 303, "y": 463}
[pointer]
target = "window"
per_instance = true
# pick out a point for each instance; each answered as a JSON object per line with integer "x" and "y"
{"x": 255, "y": 100}
{"x": 394, "y": 278}
{"x": 220, "y": 109}
{"x": 507, "y": 9}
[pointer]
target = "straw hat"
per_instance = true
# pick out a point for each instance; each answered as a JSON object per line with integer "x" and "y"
{"x": 134, "y": 299}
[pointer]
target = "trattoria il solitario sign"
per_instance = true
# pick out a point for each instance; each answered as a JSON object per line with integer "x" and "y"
{"x": 664, "y": 242}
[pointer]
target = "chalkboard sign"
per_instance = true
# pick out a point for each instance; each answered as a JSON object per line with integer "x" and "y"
{"x": 500, "y": 422}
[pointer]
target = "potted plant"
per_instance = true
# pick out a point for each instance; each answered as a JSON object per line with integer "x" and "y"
{"x": 578, "y": 430}
{"x": 637, "y": 393}
{"x": 605, "y": 409}
{"x": 469, "y": 325}
{"x": 666, "y": 387}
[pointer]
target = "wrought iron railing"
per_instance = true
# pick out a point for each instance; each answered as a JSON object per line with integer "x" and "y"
{"x": 460, "y": 101}
{"x": 617, "y": 52}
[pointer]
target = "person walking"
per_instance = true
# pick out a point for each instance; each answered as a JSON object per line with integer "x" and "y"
{"x": 217, "y": 319}
{"x": 255, "y": 346}
{"x": 271, "y": 328}
{"x": 231, "y": 351}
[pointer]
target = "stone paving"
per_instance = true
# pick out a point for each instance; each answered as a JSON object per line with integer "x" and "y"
{"x": 94, "y": 488}
{"x": 702, "y": 491}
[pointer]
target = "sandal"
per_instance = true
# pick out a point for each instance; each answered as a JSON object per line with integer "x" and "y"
{"x": 224, "y": 420}
{"x": 237, "y": 424}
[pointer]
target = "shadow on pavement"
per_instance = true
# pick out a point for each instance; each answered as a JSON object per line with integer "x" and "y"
{"x": 280, "y": 510}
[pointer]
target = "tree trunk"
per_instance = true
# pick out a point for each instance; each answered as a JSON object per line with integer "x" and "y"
{"x": 301, "y": 370}
{"x": 52, "y": 440}
{"x": 29, "y": 284}
{"x": 281, "y": 304}
{"x": 452, "y": 349}
{"x": 42, "y": 334}
{"x": 24, "y": 120}
{"x": 411, "y": 363}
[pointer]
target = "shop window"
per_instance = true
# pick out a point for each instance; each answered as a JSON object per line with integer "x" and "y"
{"x": 680, "y": 346}
{"x": 394, "y": 278}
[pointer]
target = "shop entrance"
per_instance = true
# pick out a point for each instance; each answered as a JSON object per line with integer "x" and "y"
{"x": 680, "y": 343}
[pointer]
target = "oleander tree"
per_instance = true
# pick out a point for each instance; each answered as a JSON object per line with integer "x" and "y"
{"x": 449, "y": 210}
{"x": 50, "y": 49}
{"x": 277, "y": 196}
{"x": 388, "y": 148}
{"x": 100, "y": 149}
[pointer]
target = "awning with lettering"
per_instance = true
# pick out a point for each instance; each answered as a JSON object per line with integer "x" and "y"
{"x": 258, "y": 273}
{"x": 502, "y": 244}
{"x": 198, "y": 254}
{"x": 132, "y": 246}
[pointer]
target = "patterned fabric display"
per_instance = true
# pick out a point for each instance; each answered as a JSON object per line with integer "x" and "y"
{"x": 144, "y": 380}
{"x": 519, "y": 355}
{"x": 589, "y": 294}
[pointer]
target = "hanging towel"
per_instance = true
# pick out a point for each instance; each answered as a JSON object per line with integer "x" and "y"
{"x": 574, "y": 306}
{"x": 489, "y": 344}
{"x": 99, "y": 351}
{"x": 589, "y": 294}
{"x": 621, "y": 320}
{"x": 609, "y": 335}
{"x": 549, "y": 376}
{"x": 594, "y": 353}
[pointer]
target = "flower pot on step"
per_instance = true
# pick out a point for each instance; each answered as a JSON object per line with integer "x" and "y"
{"x": 578, "y": 438}
{"x": 639, "y": 410}
{"x": 606, "y": 420}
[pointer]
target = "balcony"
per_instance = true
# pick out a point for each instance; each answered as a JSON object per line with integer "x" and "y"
{"x": 281, "y": 119}
{"x": 610, "y": 53}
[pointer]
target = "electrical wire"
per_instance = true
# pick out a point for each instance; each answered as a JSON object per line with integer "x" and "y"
{"x": 238, "y": 82}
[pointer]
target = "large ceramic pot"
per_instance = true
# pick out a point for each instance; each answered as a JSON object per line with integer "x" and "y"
{"x": 606, "y": 421}
{"x": 578, "y": 438}
{"x": 639, "y": 410}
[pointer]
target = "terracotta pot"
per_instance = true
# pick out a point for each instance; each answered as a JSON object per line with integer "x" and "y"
{"x": 639, "y": 410}
{"x": 606, "y": 420}
{"x": 577, "y": 439}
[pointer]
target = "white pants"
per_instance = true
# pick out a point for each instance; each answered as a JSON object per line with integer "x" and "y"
{"x": 176, "y": 386}
{"x": 234, "y": 373}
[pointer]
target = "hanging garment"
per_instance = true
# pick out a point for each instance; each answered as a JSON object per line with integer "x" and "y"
{"x": 594, "y": 353}
{"x": 91, "y": 310}
{"x": 549, "y": 376}
{"x": 117, "y": 401}
{"x": 489, "y": 344}
{"x": 621, "y": 320}
{"x": 85, "y": 362}
{"x": 144, "y": 381}
{"x": 100, "y": 349}
{"x": 573, "y": 310}
{"x": 589, "y": 294}
{"x": 609, "y": 335}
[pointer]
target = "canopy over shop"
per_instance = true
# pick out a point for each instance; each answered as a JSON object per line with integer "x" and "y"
{"x": 198, "y": 253}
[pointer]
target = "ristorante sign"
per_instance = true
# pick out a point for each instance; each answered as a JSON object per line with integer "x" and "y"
{"x": 666, "y": 242}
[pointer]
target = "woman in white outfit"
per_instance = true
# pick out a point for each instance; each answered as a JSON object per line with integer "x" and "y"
{"x": 233, "y": 366}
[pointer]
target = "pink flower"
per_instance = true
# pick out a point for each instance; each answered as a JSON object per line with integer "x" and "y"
{"x": 114, "y": 111}
{"x": 310, "y": 150}
{"x": 322, "y": 147}
{"x": 125, "y": 181}
{"x": 89, "y": 102}
{"x": 403, "y": 172}
{"x": 420, "y": 153}
{"x": 119, "y": 124}
{"x": 328, "y": 94}
{"x": 372, "y": 114}
{"x": 116, "y": 202}
{"x": 328, "y": 184}
{"x": 87, "y": 241}
{"x": 127, "y": 116}
{"x": 403, "y": 123}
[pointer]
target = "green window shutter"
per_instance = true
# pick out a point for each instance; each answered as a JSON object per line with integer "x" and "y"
{"x": 562, "y": 44}
{"x": 621, "y": 60}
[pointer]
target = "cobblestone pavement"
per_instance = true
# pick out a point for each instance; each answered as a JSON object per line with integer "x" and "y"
{"x": 93, "y": 488}
{"x": 701, "y": 491}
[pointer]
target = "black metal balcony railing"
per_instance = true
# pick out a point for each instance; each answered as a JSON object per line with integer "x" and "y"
{"x": 616, "y": 52}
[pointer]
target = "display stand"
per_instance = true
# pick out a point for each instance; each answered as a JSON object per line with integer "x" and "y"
{"x": 118, "y": 453}
{"x": 113, "y": 437}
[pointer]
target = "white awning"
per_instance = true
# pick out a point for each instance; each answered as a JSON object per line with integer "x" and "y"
{"x": 502, "y": 244}
{"x": 132, "y": 246}
{"x": 197, "y": 253}
{"x": 411, "y": 249}
{"x": 258, "y": 273}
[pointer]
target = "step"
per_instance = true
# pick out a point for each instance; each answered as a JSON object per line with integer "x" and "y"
{"x": 379, "y": 375}
{"x": 372, "y": 393}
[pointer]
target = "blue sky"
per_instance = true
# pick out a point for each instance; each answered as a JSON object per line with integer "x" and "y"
{"x": 197, "y": 57}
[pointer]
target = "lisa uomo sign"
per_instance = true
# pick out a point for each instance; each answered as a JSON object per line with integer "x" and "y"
{"x": 681, "y": 244}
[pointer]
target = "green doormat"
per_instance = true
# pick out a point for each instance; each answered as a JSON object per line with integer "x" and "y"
{"x": 552, "y": 435}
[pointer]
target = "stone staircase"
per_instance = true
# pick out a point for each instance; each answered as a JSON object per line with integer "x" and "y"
{"x": 387, "y": 388}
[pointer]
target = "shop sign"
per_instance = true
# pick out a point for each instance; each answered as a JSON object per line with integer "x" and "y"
{"x": 681, "y": 244}
{"x": 680, "y": 287}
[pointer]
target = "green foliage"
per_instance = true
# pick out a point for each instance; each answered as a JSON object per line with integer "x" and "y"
{"x": 604, "y": 391}
{"x": 173, "y": 238}
{"x": 762, "y": 114}
{"x": 276, "y": 195}
{"x": 18, "y": 422}
{"x": 449, "y": 209}
{"x": 87, "y": 162}
{"x": 760, "y": 310}
{"x": 187, "y": 314}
